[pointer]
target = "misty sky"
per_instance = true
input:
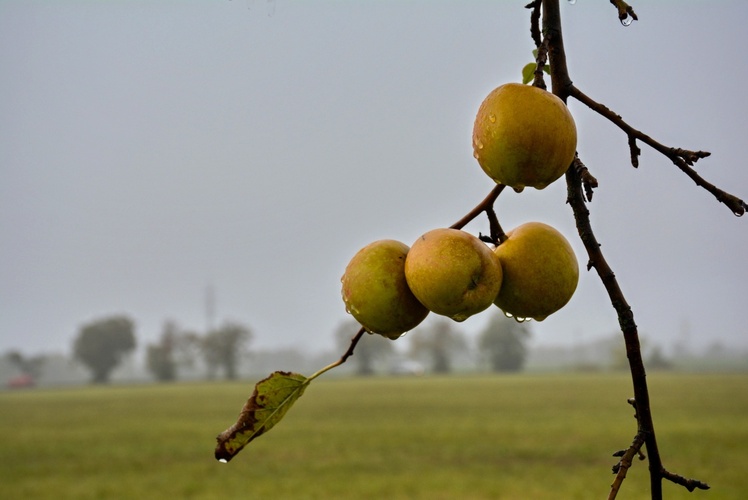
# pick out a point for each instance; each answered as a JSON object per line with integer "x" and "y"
{"x": 149, "y": 150}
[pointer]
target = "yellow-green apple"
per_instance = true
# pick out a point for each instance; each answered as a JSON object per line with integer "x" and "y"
{"x": 524, "y": 136}
{"x": 376, "y": 293}
{"x": 453, "y": 273}
{"x": 540, "y": 271}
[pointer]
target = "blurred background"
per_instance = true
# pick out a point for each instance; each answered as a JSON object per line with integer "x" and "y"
{"x": 179, "y": 169}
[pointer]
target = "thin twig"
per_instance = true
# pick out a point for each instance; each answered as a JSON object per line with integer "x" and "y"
{"x": 354, "y": 341}
{"x": 689, "y": 484}
{"x": 541, "y": 61}
{"x": 684, "y": 159}
{"x": 622, "y": 467}
{"x": 347, "y": 354}
{"x": 588, "y": 180}
{"x": 535, "y": 21}
{"x": 484, "y": 206}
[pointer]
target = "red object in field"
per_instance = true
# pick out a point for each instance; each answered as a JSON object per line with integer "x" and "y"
{"x": 21, "y": 382}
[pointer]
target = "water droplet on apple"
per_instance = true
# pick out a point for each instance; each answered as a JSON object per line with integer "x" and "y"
{"x": 479, "y": 144}
{"x": 508, "y": 315}
{"x": 460, "y": 317}
{"x": 476, "y": 155}
{"x": 739, "y": 213}
{"x": 492, "y": 118}
{"x": 223, "y": 460}
{"x": 519, "y": 189}
{"x": 627, "y": 21}
{"x": 403, "y": 335}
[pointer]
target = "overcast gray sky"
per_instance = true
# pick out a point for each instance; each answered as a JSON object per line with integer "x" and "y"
{"x": 149, "y": 150}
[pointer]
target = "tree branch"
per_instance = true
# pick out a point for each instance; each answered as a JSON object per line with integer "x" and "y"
{"x": 535, "y": 21}
{"x": 562, "y": 85}
{"x": 622, "y": 467}
{"x": 541, "y": 61}
{"x": 497, "y": 234}
{"x": 588, "y": 180}
{"x": 689, "y": 484}
{"x": 684, "y": 159}
{"x": 626, "y": 322}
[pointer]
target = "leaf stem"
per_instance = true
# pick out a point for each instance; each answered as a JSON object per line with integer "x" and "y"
{"x": 347, "y": 354}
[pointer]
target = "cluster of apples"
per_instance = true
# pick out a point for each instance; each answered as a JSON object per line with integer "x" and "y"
{"x": 523, "y": 136}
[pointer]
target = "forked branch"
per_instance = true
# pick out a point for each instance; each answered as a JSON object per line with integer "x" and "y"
{"x": 684, "y": 159}
{"x": 497, "y": 234}
{"x": 623, "y": 465}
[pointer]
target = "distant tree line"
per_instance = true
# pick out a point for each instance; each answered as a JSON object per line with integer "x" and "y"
{"x": 437, "y": 346}
{"x": 102, "y": 344}
{"x": 220, "y": 349}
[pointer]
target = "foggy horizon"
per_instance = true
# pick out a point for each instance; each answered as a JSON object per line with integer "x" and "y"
{"x": 152, "y": 151}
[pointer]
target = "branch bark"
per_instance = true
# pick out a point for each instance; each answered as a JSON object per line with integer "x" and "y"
{"x": 497, "y": 234}
{"x": 561, "y": 85}
{"x": 684, "y": 159}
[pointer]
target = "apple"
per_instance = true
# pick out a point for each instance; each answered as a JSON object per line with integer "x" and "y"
{"x": 376, "y": 293}
{"x": 453, "y": 273}
{"x": 524, "y": 136}
{"x": 540, "y": 271}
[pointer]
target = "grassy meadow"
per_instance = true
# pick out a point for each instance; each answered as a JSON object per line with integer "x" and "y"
{"x": 466, "y": 437}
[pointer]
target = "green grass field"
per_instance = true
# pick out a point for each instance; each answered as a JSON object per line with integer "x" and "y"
{"x": 514, "y": 437}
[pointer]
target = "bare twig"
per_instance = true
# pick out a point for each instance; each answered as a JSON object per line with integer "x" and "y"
{"x": 689, "y": 484}
{"x": 497, "y": 234}
{"x": 684, "y": 159}
{"x": 354, "y": 341}
{"x": 623, "y": 465}
{"x": 541, "y": 60}
{"x": 535, "y": 21}
{"x": 588, "y": 180}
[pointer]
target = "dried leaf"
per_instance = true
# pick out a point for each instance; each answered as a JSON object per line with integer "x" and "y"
{"x": 270, "y": 401}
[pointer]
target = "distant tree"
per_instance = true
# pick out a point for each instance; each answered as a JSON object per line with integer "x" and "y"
{"x": 31, "y": 366}
{"x": 653, "y": 354}
{"x": 101, "y": 344}
{"x": 370, "y": 350}
{"x": 439, "y": 342}
{"x": 222, "y": 348}
{"x": 656, "y": 360}
{"x": 504, "y": 342}
{"x": 160, "y": 357}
